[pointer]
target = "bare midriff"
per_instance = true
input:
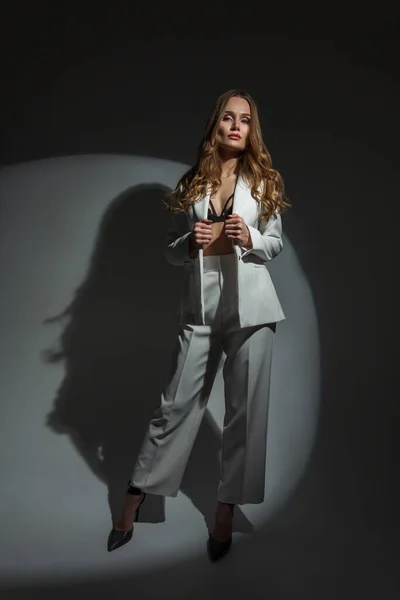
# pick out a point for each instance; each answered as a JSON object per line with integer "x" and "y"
{"x": 219, "y": 244}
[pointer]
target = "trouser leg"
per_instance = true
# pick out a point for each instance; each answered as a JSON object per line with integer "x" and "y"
{"x": 247, "y": 382}
{"x": 172, "y": 430}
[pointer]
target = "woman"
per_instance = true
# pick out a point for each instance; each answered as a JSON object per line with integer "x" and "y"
{"x": 226, "y": 226}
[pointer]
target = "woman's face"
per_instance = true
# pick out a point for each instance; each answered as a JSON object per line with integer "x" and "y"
{"x": 234, "y": 126}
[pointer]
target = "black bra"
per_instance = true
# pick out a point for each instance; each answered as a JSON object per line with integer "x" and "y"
{"x": 212, "y": 213}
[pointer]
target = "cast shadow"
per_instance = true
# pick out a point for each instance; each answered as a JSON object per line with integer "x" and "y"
{"x": 116, "y": 346}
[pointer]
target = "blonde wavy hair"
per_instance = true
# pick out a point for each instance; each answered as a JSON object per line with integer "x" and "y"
{"x": 254, "y": 165}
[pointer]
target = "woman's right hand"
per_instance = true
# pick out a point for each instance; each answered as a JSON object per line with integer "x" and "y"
{"x": 201, "y": 234}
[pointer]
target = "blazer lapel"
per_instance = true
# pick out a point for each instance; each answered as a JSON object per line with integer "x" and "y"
{"x": 201, "y": 207}
{"x": 240, "y": 196}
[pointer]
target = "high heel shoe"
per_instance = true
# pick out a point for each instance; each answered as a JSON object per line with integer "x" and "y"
{"x": 217, "y": 549}
{"x": 118, "y": 538}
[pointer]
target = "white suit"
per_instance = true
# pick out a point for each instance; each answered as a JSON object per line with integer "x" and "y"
{"x": 229, "y": 305}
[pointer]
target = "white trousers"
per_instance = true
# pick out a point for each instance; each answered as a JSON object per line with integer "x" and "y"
{"x": 172, "y": 431}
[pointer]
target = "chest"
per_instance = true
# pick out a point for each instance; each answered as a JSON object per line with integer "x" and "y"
{"x": 223, "y": 198}
{"x": 242, "y": 202}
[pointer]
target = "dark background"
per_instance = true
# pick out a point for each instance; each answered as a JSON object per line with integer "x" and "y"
{"x": 115, "y": 77}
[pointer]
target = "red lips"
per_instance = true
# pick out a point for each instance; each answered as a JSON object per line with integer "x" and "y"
{"x": 234, "y": 137}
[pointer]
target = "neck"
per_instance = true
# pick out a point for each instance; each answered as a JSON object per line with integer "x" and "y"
{"x": 229, "y": 164}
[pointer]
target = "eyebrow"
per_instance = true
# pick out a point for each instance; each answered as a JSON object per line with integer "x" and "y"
{"x": 231, "y": 112}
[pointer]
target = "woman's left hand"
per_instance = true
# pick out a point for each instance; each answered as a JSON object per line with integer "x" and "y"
{"x": 236, "y": 230}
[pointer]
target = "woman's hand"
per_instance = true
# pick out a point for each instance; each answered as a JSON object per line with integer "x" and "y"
{"x": 236, "y": 230}
{"x": 201, "y": 234}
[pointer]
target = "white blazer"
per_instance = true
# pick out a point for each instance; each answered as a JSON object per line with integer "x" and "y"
{"x": 257, "y": 299}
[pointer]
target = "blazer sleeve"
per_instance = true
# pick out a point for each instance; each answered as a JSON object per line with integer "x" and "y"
{"x": 177, "y": 249}
{"x": 267, "y": 239}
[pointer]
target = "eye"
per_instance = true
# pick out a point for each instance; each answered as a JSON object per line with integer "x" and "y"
{"x": 226, "y": 117}
{"x": 246, "y": 120}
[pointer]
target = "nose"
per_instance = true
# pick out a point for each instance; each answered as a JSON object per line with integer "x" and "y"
{"x": 235, "y": 124}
